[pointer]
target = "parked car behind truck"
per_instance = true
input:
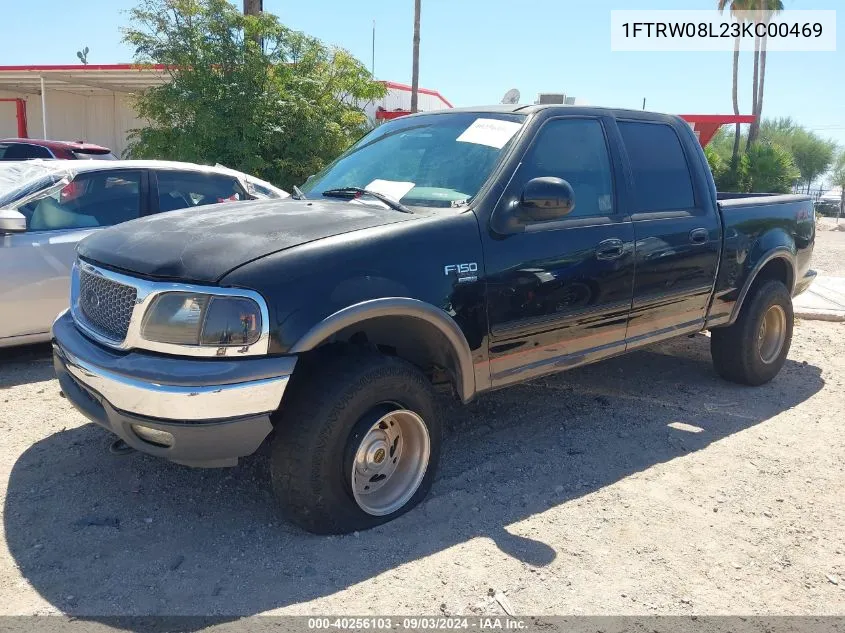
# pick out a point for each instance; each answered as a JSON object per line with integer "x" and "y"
{"x": 472, "y": 248}
{"x": 46, "y": 207}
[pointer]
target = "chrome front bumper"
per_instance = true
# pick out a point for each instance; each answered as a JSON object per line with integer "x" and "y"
{"x": 216, "y": 410}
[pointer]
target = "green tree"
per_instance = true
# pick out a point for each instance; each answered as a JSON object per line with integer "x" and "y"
{"x": 244, "y": 90}
{"x": 837, "y": 179}
{"x": 768, "y": 168}
{"x": 813, "y": 155}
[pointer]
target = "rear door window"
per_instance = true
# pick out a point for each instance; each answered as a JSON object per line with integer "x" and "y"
{"x": 183, "y": 189}
{"x": 661, "y": 173}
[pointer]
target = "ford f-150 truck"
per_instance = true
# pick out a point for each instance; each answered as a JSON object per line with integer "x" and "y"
{"x": 473, "y": 248}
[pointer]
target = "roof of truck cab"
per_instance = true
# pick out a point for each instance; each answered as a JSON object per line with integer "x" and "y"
{"x": 517, "y": 108}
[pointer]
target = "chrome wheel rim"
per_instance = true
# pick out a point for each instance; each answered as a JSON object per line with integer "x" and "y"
{"x": 390, "y": 462}
{"x": 772, "y": 334}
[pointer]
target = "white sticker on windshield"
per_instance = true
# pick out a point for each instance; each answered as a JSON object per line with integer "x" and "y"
{"x": 490, "y": 132}
{"x": 395, "y": 189}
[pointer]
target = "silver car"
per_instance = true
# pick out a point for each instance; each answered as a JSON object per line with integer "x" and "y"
{"x": 47, "y": 207}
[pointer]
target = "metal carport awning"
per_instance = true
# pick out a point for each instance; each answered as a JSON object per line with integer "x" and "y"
{"x": 85, "y": 80}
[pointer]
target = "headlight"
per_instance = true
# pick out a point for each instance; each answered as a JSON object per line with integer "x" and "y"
{"x": 185, "y": 318}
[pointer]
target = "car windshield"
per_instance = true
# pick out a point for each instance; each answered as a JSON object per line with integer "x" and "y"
{"x": 435, "y": 160}
{"x": 18, "y": 180}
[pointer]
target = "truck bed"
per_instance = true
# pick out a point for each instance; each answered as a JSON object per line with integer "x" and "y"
{"x": 753, "y": 224}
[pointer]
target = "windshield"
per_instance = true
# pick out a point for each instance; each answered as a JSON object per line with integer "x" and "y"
{"x": 18, "y": 180}
{"x": 436, "y": 160}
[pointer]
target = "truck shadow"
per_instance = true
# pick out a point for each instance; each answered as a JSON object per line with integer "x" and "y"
{"x": 98, "y": 535}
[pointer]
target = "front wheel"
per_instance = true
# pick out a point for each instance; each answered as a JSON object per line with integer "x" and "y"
{"x": 357, "y": 442}
{"x": 753, "y": 350}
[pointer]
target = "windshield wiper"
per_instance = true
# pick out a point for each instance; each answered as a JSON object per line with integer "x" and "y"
{"x": 297, "y": 193}
{"x": 354, "y": 192}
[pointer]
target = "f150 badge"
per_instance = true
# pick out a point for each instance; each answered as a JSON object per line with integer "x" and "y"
{"x": 466, "y": 272}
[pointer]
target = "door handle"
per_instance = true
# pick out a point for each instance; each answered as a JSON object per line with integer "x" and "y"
{"x": 610, "y": 249}
{"x": 699, "y": 236}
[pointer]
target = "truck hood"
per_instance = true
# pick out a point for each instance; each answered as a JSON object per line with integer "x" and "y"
{"x": 203, "y": 244}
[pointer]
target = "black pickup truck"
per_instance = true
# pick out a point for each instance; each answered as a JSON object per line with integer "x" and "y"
{"x": 474, "y": 247}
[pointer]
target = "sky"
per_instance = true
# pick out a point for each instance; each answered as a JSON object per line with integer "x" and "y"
{"x": 473, "y": 51}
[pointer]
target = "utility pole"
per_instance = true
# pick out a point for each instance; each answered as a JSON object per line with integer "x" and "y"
{"x": 253, "y": 7}
{"x": 415, "y": 71}
{"x": 373, "y": 66}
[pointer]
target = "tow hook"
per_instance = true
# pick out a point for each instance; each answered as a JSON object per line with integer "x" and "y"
{"x": 119, "y": 447}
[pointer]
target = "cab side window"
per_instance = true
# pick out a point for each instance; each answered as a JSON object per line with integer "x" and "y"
{"x": 575, "y": 150}
{"x": 661, "y": 174}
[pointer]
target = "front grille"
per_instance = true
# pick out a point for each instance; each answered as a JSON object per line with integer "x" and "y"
{"x": 106, "y": 305}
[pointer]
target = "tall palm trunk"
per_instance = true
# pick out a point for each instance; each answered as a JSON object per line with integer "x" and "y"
{"x": 753, "y": 129}
{"x": 735, "y": 95}
{"x": 415, "y": 71}
{"x": 759, "y": 113}
{"x": 252, "y": 7}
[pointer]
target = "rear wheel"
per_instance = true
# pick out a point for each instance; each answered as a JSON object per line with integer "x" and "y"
{"x": 357, "y": 442}
{"x": 753, "y": 350}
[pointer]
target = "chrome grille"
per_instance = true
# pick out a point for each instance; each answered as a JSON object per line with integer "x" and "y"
{"x": 106, "y": 305}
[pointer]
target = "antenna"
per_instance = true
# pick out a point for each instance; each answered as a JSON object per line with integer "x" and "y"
{"x": 511, "y": 96}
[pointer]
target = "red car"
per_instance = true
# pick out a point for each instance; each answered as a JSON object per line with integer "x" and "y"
{"x": 27, "y": 148}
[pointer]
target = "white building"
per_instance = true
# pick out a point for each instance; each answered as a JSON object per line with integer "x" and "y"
{"x": 94, "y": 102}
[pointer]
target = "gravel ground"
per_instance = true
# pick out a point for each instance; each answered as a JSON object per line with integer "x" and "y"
{"x": 829, "y": 254}
{"x": 640, "y": 485}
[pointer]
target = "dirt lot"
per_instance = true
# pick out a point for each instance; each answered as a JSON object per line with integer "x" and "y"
{"x": 829, "y": 254}
{"x": 640, "y": 485}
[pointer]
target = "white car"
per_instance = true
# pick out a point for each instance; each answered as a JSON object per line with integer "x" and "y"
{"x": 47, "y": 207}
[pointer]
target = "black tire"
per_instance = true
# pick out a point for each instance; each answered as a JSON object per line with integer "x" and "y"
{"x": 331, "y": 403}
{"x": 735, "y": 351}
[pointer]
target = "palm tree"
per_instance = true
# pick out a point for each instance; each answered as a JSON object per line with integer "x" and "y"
{"x": 770, "y": 8}
{"x": 415, "y": 71}
{"x": 736, "y": 8}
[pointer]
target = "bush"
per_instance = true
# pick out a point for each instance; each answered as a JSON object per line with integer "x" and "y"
{"x": 768, "y": 168}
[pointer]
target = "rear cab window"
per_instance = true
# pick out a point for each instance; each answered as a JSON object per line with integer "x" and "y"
{"x": 661, "y": 173}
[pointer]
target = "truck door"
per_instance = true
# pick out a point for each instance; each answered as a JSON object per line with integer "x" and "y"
{"x": 678, "y": 234}
{"x": 559, "y": 292}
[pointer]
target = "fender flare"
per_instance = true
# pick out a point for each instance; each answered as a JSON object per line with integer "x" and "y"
{"x": 780, "y": 252}
{"x": 403, "y": 307}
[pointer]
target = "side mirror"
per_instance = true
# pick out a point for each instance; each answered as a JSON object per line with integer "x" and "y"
{"x": 547, "y": 198}
{"x": 12, "y": 221}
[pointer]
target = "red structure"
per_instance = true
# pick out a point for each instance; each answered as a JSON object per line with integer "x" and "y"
{"x": 20, "y": 112}
{"x": 705, "y": 126}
